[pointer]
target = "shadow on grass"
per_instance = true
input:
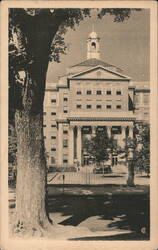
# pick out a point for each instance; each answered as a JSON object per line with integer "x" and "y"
{"x": 124, "y": 212}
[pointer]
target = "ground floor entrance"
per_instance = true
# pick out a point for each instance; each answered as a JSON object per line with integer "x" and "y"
{"x": 71, "y": 148}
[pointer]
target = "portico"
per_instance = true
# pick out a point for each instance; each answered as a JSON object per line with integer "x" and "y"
{"x": 120, "y": 128}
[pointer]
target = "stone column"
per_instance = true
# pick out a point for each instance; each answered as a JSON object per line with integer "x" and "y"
{"x": 71, "y": 145}
{"x": 131, "y": 132}
{"x": 108, "y": 130}
{"x": 93, "y": 130}
{"x": 123, "y": 135}
{"x": 79, "y": 143}
{"x": 60, "y": 144}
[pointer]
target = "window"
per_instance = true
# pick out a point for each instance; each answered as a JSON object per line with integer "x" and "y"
{"x": 65, "y": 132}
{"x": 53, "y": 126}
{"x": 89, "y": 92}
{"x": 53, "y": 137}
{"x": 53, "y": 100}
{"x": 65, "y": 161}
{"x": 65, "y": 99}
{"x": 53, "y": 149}
{"x": 89, "y": 106}
{"x": 108, "y": 92}
{"x": 44, "y": 113}
{"x": 118, "y": 92}
{"x": 44, "y": 125}
{"x": 65, "y": 143}
{"x": 98, "y": 106}
{"x": 93, "y": 44}
{"x": 116, "y": 130}
{"x": 53, "y": 113}
{"x": 78, "y": 92}
{"x": 108, "y": 106}
{"x": 44, "y": 137}
{"x": 78, "y": 106}
{"x": 98, "y": 92}
{"x": 118, "y": 106}
{"x": 65, "y": 111}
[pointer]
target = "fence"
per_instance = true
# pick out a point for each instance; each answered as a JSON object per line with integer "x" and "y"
{"x": 87, "y": 176}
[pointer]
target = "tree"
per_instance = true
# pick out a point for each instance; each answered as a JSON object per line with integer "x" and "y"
{"x": 142, "y": 157}
{"x": 35, "y": 38}
{"x": 100, "y": 146}
{"x": 138, "y": 152}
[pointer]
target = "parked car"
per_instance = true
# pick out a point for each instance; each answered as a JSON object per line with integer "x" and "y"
{"x": 106, "y": 169}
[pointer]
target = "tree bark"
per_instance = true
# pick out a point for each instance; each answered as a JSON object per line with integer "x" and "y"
{"x": 31, "y": 175}
{"x": 34, "y": 37}
{"x": 130, "y": 180}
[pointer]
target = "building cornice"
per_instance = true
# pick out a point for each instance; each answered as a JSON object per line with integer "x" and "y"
{"x": 101, "y": 119}
{"x": 100, "y": 79}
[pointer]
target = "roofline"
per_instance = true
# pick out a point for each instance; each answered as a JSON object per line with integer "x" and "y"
{"x": 99, "y": 66}
{"x": 78, "y": 64}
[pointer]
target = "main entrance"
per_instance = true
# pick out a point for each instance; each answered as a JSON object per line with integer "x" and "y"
{"x": 78, "y": 134}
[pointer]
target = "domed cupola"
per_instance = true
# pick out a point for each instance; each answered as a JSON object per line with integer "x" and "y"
{"x": 93, "y": 46}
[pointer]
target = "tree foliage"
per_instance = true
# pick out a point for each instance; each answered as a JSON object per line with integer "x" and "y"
{"x": 141, "y": 147}
{"x": 142, "y": 155}
{"x": 100, "y": 146}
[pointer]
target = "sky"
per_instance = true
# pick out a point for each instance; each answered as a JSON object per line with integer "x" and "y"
{"x": 125, "y": 45}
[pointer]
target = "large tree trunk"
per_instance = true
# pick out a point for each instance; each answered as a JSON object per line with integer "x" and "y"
{"x": 34, "y": 36}
{"x": 31, "y": 174}
{"x": 130, "y": 180}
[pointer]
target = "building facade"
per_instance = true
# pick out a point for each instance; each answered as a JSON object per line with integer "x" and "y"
{"x": 91, "y": 95}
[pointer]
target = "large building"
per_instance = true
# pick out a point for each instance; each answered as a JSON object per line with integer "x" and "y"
{"x": 91, "y": 95}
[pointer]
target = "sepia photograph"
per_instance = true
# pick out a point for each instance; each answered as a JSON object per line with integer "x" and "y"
{"x": 79, "y": 124}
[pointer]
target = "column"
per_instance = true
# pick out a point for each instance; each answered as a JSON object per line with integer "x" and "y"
{"x": 93, "y": 130}
{"x": 60, "y": 144}
{"x": 123, "y": 135}
{"x": 108, "y": 131}
{"x": 79, "y": 143}
{"x": 71, "y": 145}
{"x": 131, "y": 132}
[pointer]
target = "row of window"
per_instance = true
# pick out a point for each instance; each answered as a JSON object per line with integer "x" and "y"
{"x": 65, "y": 145}
{"x": 65, "y": 99}
{"x": 79, "y": 106}
{"x": 98, "y": 92}
{"x": 52, "y": 126}
{"x": 54, "y": 113}
{"x": 53, "y": 160}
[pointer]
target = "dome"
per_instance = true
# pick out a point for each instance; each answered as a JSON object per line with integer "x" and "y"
{"x": 93, "y": 35}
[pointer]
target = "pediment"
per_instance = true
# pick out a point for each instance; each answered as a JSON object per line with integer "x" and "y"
{"x": 99, "y": 72}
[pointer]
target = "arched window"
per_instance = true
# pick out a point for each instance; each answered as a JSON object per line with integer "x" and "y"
{"x": 93, "y": 44}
